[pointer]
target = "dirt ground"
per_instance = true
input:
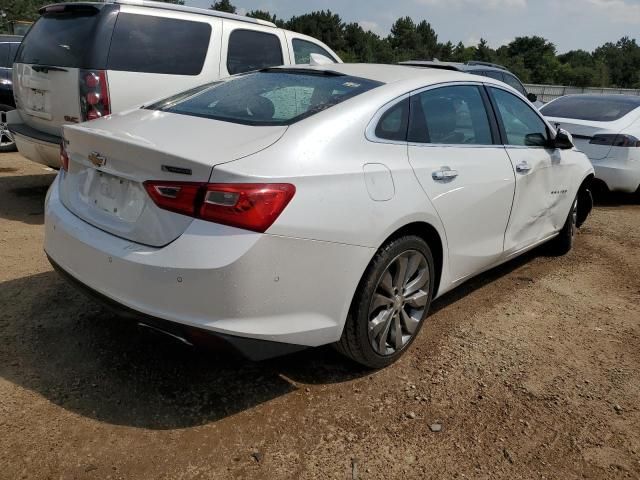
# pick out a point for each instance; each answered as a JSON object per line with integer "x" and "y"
{"x": 531, "y": 370}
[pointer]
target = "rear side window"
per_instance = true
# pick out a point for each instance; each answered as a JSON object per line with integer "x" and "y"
{"x": 277, "y": 97}
{"x": 62, "y": 39}
{"x": 394, "y": 123}
{"x": 143, "y": 43}
{"x": 450, "y": 116}
{"x": 13, "y": 50}
{"x": 493, "y": 74}
{"x": 514, "y": 83}
{"x": 302, "y": 51}
{"x": 251, "y": 50}
{"x": 593, "y": 108}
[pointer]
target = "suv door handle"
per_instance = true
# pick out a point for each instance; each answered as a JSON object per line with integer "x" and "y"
{"x": 523, "y": 167}
{"x": 445, "y": 173}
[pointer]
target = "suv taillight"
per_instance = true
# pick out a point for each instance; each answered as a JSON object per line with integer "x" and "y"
{"x": 94, "y": 94}
{"x": 64, "y": 157}
{"x": 251, "y": 206}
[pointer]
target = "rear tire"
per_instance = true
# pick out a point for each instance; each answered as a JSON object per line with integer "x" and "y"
{"x": 563, "y": 243}
{"x": 391, "y": 303}
{"x": 7, "y": 142}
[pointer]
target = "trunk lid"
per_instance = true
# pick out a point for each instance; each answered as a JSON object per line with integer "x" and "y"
{"x": 110, "y": 159}
{"x": 64, "y": 40}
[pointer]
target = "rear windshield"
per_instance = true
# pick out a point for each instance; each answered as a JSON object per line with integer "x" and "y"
{"x": 61, "y": 39}
{"x": 273, "y": 97}
{"x": 593, "y": 108}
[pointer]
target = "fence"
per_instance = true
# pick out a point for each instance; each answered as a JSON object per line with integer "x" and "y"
{"x": 546, "y": 93}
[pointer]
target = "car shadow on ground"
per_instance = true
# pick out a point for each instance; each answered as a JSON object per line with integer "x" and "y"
{"x": 76, "y": 354}
{"x": 615, "y": 199}
{"x": 22, "y": 197}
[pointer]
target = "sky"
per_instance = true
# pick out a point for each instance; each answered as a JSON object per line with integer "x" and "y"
{"x": 570, "y": 24}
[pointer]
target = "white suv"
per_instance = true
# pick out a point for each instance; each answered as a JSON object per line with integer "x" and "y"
{"x": 82, "y": 61}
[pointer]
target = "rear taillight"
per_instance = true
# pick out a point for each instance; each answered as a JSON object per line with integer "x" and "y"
{"x": 615, "y": 140}
{"x": 64, "y": 157}
{"x": 94, "y": 94}
{"x": 250, "y": 206}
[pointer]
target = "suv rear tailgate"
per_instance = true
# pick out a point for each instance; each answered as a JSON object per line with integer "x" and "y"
{"x": 64, "y": 40}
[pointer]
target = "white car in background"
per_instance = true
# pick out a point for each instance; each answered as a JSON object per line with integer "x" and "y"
{"x": 305, "y": 206}
{"x": 607, "y": 129}
{"x": 81, "y": 61}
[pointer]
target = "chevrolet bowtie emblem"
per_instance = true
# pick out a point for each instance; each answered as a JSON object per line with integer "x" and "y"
{"x": 97, "y": 159}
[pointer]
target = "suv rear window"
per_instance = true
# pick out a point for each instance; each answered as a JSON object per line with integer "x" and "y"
{"x": 594, "y": 108}
{"x": 271, "y": 97}
{"x": 143, "y": 43}
{"x": 61, "y": 39}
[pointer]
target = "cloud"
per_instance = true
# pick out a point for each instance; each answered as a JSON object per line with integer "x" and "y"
{"x": 482, "y": 4}
{"x": 368, "y": 25}
{"x": 620, "y": 11}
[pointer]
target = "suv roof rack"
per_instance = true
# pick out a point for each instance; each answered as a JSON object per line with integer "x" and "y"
{"x": 199, "y": 11}
{"x": 475, "y": 63}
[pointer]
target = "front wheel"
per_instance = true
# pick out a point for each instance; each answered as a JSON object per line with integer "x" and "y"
{"x": 7, "y": 143}
{"x": 563, "y": 243}
{"x": 391, "y": 303}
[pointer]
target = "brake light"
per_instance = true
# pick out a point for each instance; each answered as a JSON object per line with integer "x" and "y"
{"x": 94, "y": 94}
{"x": 250, "y": 206}
{"x": 615, "y": 140}
{"x": 64, "y": 157}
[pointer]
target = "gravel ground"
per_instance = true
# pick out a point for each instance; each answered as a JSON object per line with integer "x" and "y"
{"x": 529, "y": 371}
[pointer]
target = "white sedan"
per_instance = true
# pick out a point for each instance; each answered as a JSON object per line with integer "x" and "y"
{"x": 290, "y": 208}
{"x": 607, "y": 129}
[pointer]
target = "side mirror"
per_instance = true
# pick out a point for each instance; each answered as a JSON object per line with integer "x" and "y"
{"x": 563, "y": 140}
{"x": 532, "y": 97}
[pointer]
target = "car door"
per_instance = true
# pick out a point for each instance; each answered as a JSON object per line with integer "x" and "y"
{"x": 455, "y": 152}
{"x": 543, "y": 192}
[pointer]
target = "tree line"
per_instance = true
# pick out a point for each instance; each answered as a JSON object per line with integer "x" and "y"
{"x": 533, "y": 59}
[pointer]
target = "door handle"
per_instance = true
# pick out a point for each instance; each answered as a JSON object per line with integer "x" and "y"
{"x": 523, "y": 167}
{"x": 445, "y": 173}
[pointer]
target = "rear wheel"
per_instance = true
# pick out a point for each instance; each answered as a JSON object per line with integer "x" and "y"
{"x": 563, "y": 243}
{"x": 7, "y": 143}
{"x": 391, "y": 303}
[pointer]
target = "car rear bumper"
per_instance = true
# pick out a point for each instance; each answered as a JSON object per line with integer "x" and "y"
{"x": 37, "y": 146}
{"x": 215, "y": 278}
{"x": 620, "y": 175}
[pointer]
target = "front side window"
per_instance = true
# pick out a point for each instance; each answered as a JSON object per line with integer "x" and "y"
{"x": 143, "y": 43}
{"x": 302, "y": 51}
{"x": 251, "y": 50}
{"x": 271, "y": 97}
{"x": 513, "y": 82}
{"x": 522, "y": 126}
{"x": 450, "y": 116}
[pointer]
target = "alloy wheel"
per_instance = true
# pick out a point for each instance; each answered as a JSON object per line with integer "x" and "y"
{"x": 399, "y": 302}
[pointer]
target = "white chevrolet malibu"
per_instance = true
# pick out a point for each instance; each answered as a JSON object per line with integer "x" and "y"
{"x": 289, "y": 208}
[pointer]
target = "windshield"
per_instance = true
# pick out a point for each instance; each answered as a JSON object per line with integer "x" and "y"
{"x": 270, "y": 97}
{"x": 594, "y": 108}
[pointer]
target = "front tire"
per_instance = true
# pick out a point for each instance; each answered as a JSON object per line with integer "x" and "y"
{"x": 391, "y": 303}
{"x": 563, "y": 243}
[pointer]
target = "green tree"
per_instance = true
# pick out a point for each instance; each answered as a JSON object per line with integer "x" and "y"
{"x": 404, "y": 38}
{"x": 427, "y": 47}
{"x": 483, "y": 52}
{"x": 323, "y": 25}
{"x": 223, "y": 6}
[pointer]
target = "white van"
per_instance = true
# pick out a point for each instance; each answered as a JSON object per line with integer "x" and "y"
{"x": 82, "y": 61}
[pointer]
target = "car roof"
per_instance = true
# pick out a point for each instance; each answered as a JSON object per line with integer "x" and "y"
{"x": 173, "y": 7}
{"x": 394, "y": 73}
{"x": 457, "y": 66}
